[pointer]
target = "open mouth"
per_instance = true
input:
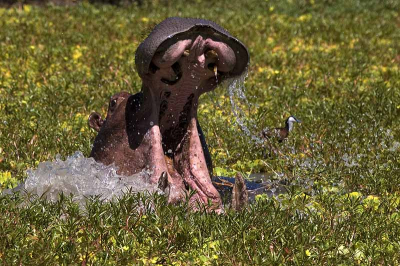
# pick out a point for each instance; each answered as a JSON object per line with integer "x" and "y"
{"x": 199, "y": 58}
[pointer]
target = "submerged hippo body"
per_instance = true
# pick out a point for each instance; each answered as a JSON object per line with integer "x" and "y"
{"x": 180, "y": 59}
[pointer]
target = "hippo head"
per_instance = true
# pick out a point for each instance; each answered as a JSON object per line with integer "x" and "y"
{"x": 179, "y": 60}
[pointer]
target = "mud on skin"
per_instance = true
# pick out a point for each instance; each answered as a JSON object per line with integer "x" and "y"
{"x": 157, "y": 128}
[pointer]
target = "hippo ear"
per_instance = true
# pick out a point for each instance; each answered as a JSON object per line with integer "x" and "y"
{"x": 95, "y": 121}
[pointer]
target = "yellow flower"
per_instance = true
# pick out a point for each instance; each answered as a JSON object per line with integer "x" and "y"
{"x": 305, "y": 18}
{"x": 27, "y": 8}
{"x": 145, "y": 20}
{"x": 355, "y": 194}
{"x": 262, "y": 69}
{"x": 6, "y": 178}
{"x": 352, "y": 42}
{"x": 371, "y": 202}
{"x": 76, "y": 53}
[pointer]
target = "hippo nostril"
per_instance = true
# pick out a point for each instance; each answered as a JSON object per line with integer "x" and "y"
{"x": 178, "y": 74}
{"x": 153, "y": 68}
{"x": 177, "y": 69}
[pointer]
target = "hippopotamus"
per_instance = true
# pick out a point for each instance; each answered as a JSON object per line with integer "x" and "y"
{"x": 156, "y": 130}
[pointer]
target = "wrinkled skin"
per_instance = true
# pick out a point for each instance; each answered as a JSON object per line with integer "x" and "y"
{"x": 111, "y": 144}
{"x": 180, "y": 60}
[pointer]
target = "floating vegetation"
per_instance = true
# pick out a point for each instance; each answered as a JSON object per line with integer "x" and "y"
{"x": 332, "y": 64}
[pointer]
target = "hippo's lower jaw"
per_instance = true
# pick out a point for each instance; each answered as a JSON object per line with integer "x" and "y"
{"x": 190, "y": 163}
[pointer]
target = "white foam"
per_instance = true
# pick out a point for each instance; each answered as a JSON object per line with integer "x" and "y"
{"x": 83, "y": 177}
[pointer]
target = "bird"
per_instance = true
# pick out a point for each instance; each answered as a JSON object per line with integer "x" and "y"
{"x": 281, "y": 133}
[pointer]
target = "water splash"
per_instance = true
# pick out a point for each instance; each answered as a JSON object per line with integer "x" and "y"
{"x": 83, "y": 177}
{"x": 237, "y": 97}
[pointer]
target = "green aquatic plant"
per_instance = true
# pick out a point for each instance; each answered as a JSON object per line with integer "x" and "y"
{"x": 333, "y": 64}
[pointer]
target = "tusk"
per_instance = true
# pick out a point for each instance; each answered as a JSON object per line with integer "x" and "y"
{"x": 211, "y": 54}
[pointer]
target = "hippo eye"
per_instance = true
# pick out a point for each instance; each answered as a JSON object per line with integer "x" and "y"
{"x": 113, "y": 103}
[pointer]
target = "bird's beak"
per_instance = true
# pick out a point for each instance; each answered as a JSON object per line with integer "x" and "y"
{"x": 297, "y": 120}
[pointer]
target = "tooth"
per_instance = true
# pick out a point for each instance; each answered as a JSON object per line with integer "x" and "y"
{"x": 215, "y": 70}
{"x": 211, "y": 54}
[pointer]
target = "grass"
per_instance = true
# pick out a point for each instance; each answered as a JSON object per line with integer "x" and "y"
{"x": 333, "y": 64}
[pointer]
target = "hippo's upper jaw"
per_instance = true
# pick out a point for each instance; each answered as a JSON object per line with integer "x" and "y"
{"x": 182, "y": 32}
{"x": 201, "y": 60}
